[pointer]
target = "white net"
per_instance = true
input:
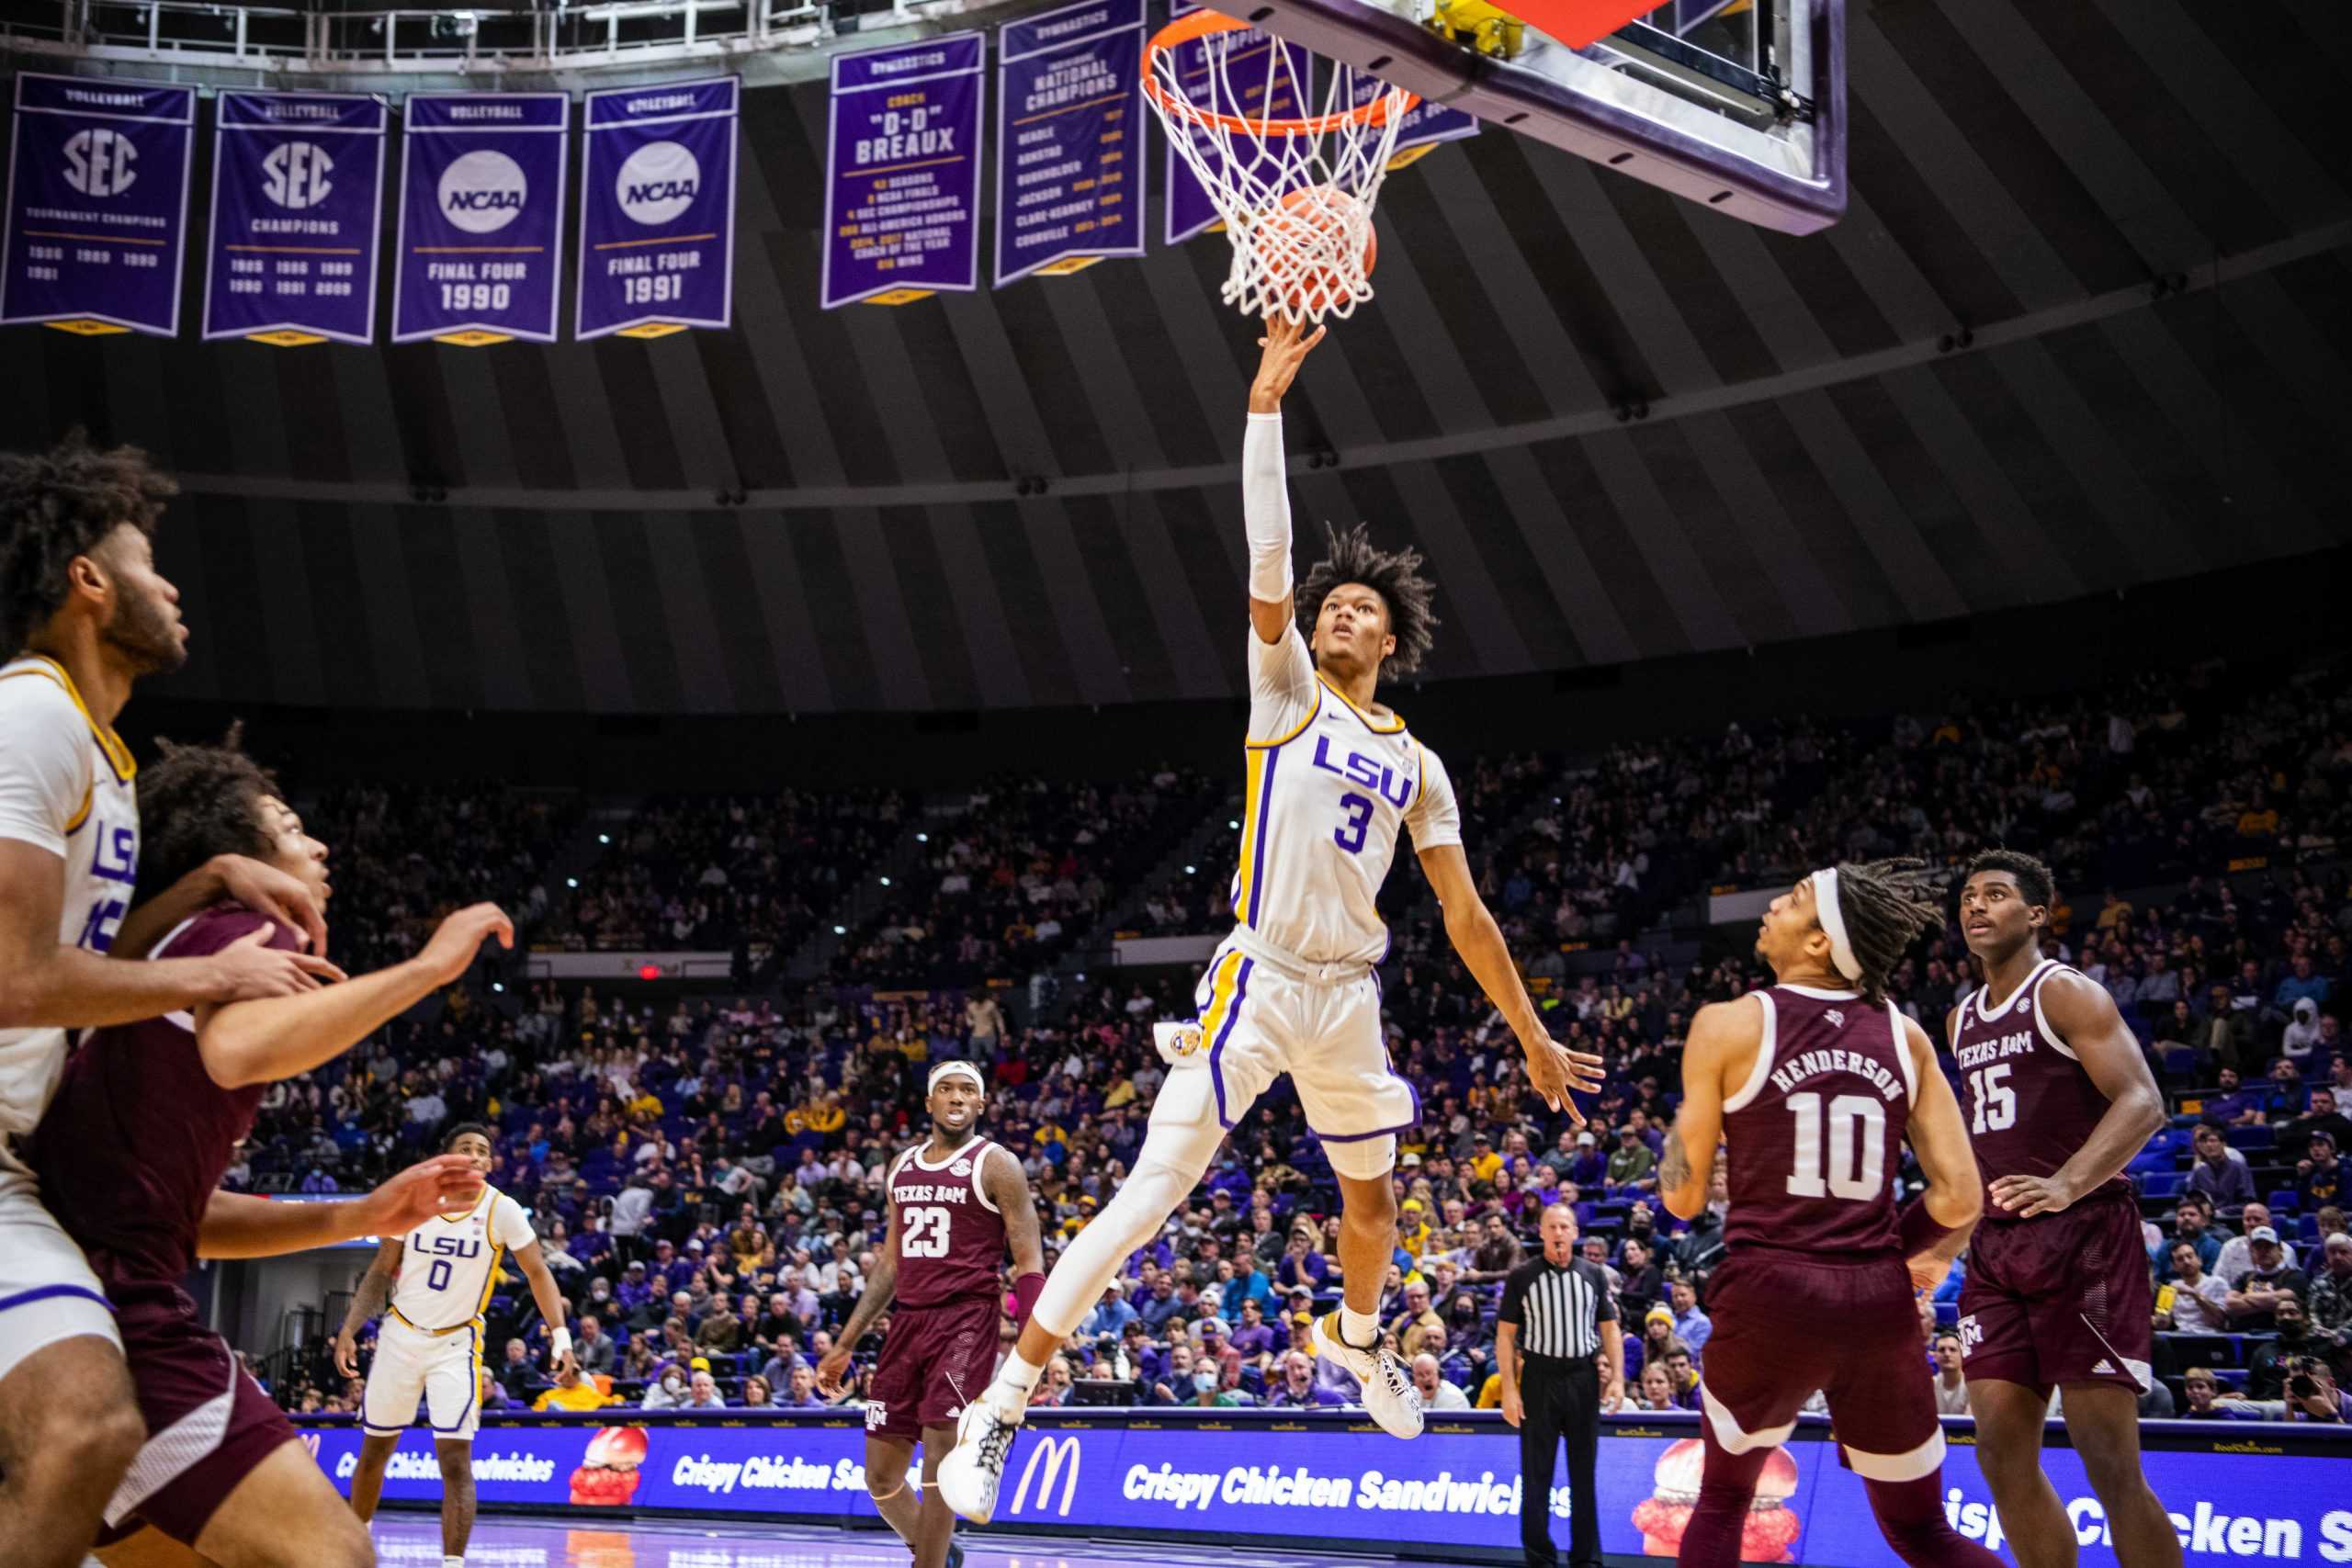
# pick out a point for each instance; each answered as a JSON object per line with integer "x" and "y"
{"x": 1295, "y": 188}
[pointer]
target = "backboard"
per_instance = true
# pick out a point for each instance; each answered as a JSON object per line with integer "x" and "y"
{"x": 1739, "y": 105}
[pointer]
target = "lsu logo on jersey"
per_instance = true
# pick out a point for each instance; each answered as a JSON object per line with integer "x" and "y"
{"x": 448, "y": 1245}
{"x": 1369, "y": 771}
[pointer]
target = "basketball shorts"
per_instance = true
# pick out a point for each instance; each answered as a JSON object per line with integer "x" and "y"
{"x": 208, "y": 1423}
{"x": 47, "y": 1290}
{"x": 2062, "y": 1298}
{"x": 935, "y": 1360}
{"x": 1262, "y": 1016}
{"x": 1789, "y": 1323}
{"x": 444, "y": 1370}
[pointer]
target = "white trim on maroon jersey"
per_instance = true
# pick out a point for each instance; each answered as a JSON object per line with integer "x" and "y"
{"x": 980, "y": 1173}
{"x": 2041, "y": 1015}
{"x": 1762, "y": 1071}
{"x": 1819, "y": 995}
{"x": 1903, "y": 1055}
{"x": 2032, "y": 981}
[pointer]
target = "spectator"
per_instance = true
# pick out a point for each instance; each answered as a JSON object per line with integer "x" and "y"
{"x": 1951, "y": 1382}
{"x": 1111, "y": 1314}
{"x": 1435, "y": 1392}
{"x": 1691, "y": 1325}
{"x": 1632, "y": 1163}
{"x": 1053, "y": 1389}
{"x": 2319, "y": 1175}
{"x": 2236, "y": 1255}
{"x": 2324, "y": 1116}
{"x": 2221, "y": 1173}
{"x": 1658, "y": 1388}
{"x": 668, "y": 1391}
{"x": 1415, "y": 1321}
{"x": 702, "y": 1391}
{"x": 2192, "y": 1223}
{"x": 1298, "y": 1390}
{"x": 2205, "y": 1401}
{"x": 1641, "y": 1284}
{"x": 592, "y": 1347}
{"x": 757, "y": 1392}
{"x": 572, "y": 1391}
{"x": 1496, "y": 1255}
{"x": 2331, "y": 1297}
{"x": 2267, "y": 1288}
{"x": 2266, "y": 1365}
{"x": 2199, "y": 1302}
{"x": 518, "y": 1375}
{"x": 2310, "y": 1391}
{"x": 800, "y": 1390}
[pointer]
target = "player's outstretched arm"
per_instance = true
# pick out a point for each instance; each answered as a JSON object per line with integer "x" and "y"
{"x": 45, "y": 984}
{"x": 237, "y": 1225}
{"x": 260, "y": 1041}
{"x": 1265, "y": 487}
{"x": 368, "y": 1301}
{"x": 2084, "y": 1017}
{"x": 544, "y": 1291}
{"x": 1724, "y": 1038}
{"x": 1552, "y": 1067}
{"x": 1938, "y": 1136}
{"x": 871, "y": 1304}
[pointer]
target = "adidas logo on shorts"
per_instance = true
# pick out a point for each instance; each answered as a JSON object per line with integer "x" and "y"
{"x": 2105, "y": 1367}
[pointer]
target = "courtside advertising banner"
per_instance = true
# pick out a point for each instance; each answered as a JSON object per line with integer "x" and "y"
{"x": 481, "y": 217}
{"x": 1248, "y": 57}
{"x": 1070, "y": 138}
{"x": 657, "y": 209}
{"x": 298, "y": 181}
{"x": 2237, "y": 1496}
{"x": 902, "y": 171}
{"x": 98, "y": 204}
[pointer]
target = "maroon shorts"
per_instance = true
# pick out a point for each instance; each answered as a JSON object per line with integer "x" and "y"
{"x": 935, "y": 1360}
{"x": 2060, "y": 1298}
{"x": 208, "y": 1423}
{"x": 1787, "y": 1324}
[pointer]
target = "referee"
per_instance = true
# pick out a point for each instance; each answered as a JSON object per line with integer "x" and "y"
{"x": 1562, "y": 1358}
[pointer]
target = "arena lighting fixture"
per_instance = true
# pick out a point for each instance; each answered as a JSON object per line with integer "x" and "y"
{"x": 571, "y": 882}
{"x": 1234, "y": 825}
{"x": 603, "y": 838}
{"x": 841, "y": 931}
{"x": 1192, "y": 871}
{"x": 498, "y": 985}
{"x": 649, "y": 971}
{"x": 885, "y": 882}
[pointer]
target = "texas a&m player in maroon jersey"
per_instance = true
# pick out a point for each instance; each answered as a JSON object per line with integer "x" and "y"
{"x": 1815, "y": 1084}
{"x": 131, "y": 1151}
{"x": 2058, "y": 1099}
{"x": 957, "y": 1202}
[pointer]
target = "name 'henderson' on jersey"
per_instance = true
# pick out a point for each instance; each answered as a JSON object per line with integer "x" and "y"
{"x": 1817, "y": 1130}
{"x": 950, "y": 1238}
{"x": 2028, "y": 1101}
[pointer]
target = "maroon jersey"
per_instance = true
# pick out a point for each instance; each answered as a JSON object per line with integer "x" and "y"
{"x": 1816, "y": 1130}
{"x": 950, "y": 1238}
{"x": 136, "y": 1140}
{"x": 2030, "y": 1104}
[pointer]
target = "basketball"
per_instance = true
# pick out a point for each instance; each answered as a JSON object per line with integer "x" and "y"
{"x": 1304, "y": 242}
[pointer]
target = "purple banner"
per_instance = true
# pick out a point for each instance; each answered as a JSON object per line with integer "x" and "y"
{"x": 1069, "y": 184}
{"x": 481, "y": 217}
{"x": 657, "y": 209}
{"x": 902, "y": 171}
{"x": 1249, "y": 58}
{"x": 298, "y": 182}
{"x": 98, "y": 204}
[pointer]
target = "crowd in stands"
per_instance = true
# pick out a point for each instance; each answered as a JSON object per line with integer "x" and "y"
{"x": 706, "y": 1174}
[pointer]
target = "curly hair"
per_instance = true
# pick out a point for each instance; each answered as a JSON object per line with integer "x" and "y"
{"x": 58, "y": 504}
{"x": 1395, "y": 575}
{"x": 1888, "y": 905}
{"x": 197, "y": 802}
{"x": 2034, "y": 879}
{"x": 449, "y": 1139}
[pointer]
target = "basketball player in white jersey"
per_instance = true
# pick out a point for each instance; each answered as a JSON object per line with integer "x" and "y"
{"x": 84, "y": 614}
{"x": 1333, "y": 778}
{"x": 430, "y": 1340}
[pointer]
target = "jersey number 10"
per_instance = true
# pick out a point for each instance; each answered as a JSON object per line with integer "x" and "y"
{"x": 1855, "y": 1172}
{"x": 926, "y": 1233}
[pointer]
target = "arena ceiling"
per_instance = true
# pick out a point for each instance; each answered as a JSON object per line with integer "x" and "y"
{"x": 2127, "y": 218}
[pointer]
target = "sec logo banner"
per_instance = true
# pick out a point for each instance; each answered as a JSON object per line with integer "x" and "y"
{"x": 97, "y": 163}
{"x": 483, "y": 192}
{"x": 658, "y": 182}
{"x": 295, "y": 173}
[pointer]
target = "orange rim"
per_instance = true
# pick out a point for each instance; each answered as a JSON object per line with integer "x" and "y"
{"x": 1199, "y": 25}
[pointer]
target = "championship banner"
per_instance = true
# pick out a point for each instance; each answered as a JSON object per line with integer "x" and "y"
{"x": 1250, "y": 62}
{"x": 97, "y": 205}
{"x": 481, "y": 217}
{"x": 1070, "y": 186}
{"x": 657, "y": 209}
{"x": 902, "y": 171}
{"x": 298, "y": 181}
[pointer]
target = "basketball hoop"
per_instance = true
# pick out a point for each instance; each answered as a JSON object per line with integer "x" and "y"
{"x": 1296, "y": 194}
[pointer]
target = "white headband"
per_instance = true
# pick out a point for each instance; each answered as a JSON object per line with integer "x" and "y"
{"x": 954, "y": 1070}
{"x": 1833, "y": 923}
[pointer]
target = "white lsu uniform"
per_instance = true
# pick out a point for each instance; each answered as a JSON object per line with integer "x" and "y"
{"x": 429, "y": 1342}
{"x": 65, "y": 786}
{"x": 1292, "y": 989}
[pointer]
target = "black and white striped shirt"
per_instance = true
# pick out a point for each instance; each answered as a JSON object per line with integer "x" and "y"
{"x": 1558, "y": 1311}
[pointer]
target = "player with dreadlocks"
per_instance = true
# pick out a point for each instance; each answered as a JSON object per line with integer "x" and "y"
{"x": 2059, "y": 1100}
{"x": 1816, "y": 1083}
{"x": 1333, "y": 777}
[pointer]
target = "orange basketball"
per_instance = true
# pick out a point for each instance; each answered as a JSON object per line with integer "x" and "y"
{"x": 1298, "y": 242}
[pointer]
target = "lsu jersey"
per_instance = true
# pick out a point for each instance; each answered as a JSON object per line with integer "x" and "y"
{"x": 449, "y": 1263}
{"x": 1328, "y": 787}
{"x": 66, "y": 787}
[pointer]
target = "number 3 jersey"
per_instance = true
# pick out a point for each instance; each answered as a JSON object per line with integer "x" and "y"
{"x": 1817, "y": 1130}
{"x": 1327, "y": 787}
{"x": 950, "y": 1238}
{"x": 2029, "y": 1102}
{"x": 449, "y": 1262}
{"x": 65, "y": 786}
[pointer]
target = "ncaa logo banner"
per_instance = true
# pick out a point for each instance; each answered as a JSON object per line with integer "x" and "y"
{"x": 1070, "y": 138}
{"x": 97, "y": 205}
{"x": 481, "y": 245}
{"x": 902, "y": 171}
{"x": 1250, "y": 60}
{"x": 657, "y": 209}
{"x": 298, "y": 181}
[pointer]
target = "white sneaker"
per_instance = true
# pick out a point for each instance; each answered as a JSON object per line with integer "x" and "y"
{"x": 1388, "y": 1392}
{"x": 971, "y": 1474}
